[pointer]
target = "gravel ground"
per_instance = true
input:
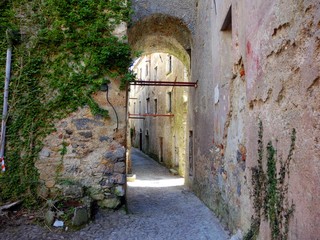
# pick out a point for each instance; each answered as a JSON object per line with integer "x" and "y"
{"x": 159, "y": 208}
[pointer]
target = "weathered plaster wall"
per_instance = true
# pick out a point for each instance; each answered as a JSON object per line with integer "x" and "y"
{"x": 161, "y": 33}
{"x": 283, "y": 63}
{"x": 181, "y": 9}
{"x": 88, "y": 152}
{"x": 266, "y": 67}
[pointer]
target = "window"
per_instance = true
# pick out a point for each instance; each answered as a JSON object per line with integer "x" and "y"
{"x": 155, "y": 106}
{"x": 148, "y": 106}
{"x": 155, "y": 76}
{"x": 191, "y": 153}
{"x": 227, "y": 23}
{"x": 161, "y": 149}
{"x": 169, "y": 64}
{"x": 169, "y": 102}
{"x": 147, "y": 69}
{"x": 140, "y": 107}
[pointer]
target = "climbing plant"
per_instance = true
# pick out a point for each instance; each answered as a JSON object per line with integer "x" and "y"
{"x": 63, "y": 51}
{"x": 270, "y": 190}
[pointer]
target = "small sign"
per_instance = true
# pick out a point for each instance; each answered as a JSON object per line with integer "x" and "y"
{"x": 216, "y": 94}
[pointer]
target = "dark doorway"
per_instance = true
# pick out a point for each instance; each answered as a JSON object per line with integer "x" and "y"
{"x": 191, "y": 153}
{"x": 147, "y": 141}
{"x": 140, "y": 139}
{"x": 161, "y": 149}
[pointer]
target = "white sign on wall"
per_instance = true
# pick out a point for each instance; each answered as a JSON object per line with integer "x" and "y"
{"x": 216, "y": 94}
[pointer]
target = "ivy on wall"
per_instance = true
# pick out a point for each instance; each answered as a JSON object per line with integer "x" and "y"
{"x": 63, "y": 52}
{"x": 270, "y": 190}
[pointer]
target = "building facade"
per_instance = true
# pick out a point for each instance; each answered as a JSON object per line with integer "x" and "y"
{"x": 158, "y": 114}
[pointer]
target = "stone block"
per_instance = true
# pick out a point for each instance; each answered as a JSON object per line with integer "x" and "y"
{"x": 71, "y": 169}
{"x": 105, "y": 139}
{"x": 45, "y": 153}
{"x": 118, "y": 178}
{"x": 50, "y": 183}
{"x": 49, "y": 217}
{"x": 80, "y": 216}
{"x": 116, "y": 156}
{"x": 72, "y": 191}
{"x": 119, "y": 191}
{"x": 110, "y": 203}
{"x": 84, "y": 123}
{"x": 74, "y": 145}
{"x": 88, "y": 202}
{"x": 119, "y": 167}
{"x": 96, "y": 194}
{"x": 69, "y": 131}
{"x": 86, "y": 134}
{"x": 106, "y": 182}
{"x": 173, "y": 171}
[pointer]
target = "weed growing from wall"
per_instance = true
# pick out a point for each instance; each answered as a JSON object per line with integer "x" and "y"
{"x": 65, "y": 52}
{"x": 270, "y": 190}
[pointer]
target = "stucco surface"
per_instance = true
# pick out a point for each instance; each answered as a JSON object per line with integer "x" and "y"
{"x": 181, "y": 9}
{"x": 266, "y": 68}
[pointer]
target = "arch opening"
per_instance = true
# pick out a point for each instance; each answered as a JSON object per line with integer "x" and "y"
{"x": 165, "y": 43}
{"x": 161, "y": 33}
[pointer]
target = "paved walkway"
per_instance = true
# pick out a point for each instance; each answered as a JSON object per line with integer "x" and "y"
{"x": 160, "y": 209}
{"x": 165, "y": 208}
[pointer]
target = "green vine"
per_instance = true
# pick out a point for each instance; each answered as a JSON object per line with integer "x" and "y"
{"x": 63, "y": 52}
{"x": 270, "y": 191}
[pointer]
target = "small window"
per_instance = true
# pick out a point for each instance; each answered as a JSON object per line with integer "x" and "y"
{"x": 140, "y": 107}
{"x": 191, "y": 163}
{"x": 155, "y": 76}
{"x": 147, "y": 69}
{"x": 169, "y": 64}
{"x": 161, "y": 149}
{"x": 148, "y": 106}
{"x": 155, "y": 106}
{"x": 227, "y": 23}
{"x": 169, "y": 102}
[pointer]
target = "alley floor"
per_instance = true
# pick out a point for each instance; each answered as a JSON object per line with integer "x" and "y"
{"x": 159, "y": 206}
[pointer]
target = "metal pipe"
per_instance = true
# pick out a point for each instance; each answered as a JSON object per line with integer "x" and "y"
{"x": 151, "y": 115}
{"x": 165, "y": 83}
{"x": 143, "y": 118}
{"x": 5, "y": 107}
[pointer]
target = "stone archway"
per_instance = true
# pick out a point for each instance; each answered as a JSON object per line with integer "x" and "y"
{"x": 162, "y": 33}
{"x": 168, "y": 36}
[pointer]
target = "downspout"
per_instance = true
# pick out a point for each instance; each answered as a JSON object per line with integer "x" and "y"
{"x": 5, "y": 103}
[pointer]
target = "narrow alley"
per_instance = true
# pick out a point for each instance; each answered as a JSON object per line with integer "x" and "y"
{"x": 163, "y": 208}
{"x": 160, "y": 207}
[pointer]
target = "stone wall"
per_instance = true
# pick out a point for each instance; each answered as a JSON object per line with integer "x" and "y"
{"x": 85, "y": 155}
{"x": 181, "y": 9}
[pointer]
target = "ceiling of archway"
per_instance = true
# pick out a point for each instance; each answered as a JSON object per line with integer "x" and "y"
{"x": 161, "y": 33}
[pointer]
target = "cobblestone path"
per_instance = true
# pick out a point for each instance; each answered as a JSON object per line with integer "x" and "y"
{"x": 160, "y": 208}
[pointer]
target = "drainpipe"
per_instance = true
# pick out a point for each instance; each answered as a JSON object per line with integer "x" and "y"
{"x": 5, "y": 104}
